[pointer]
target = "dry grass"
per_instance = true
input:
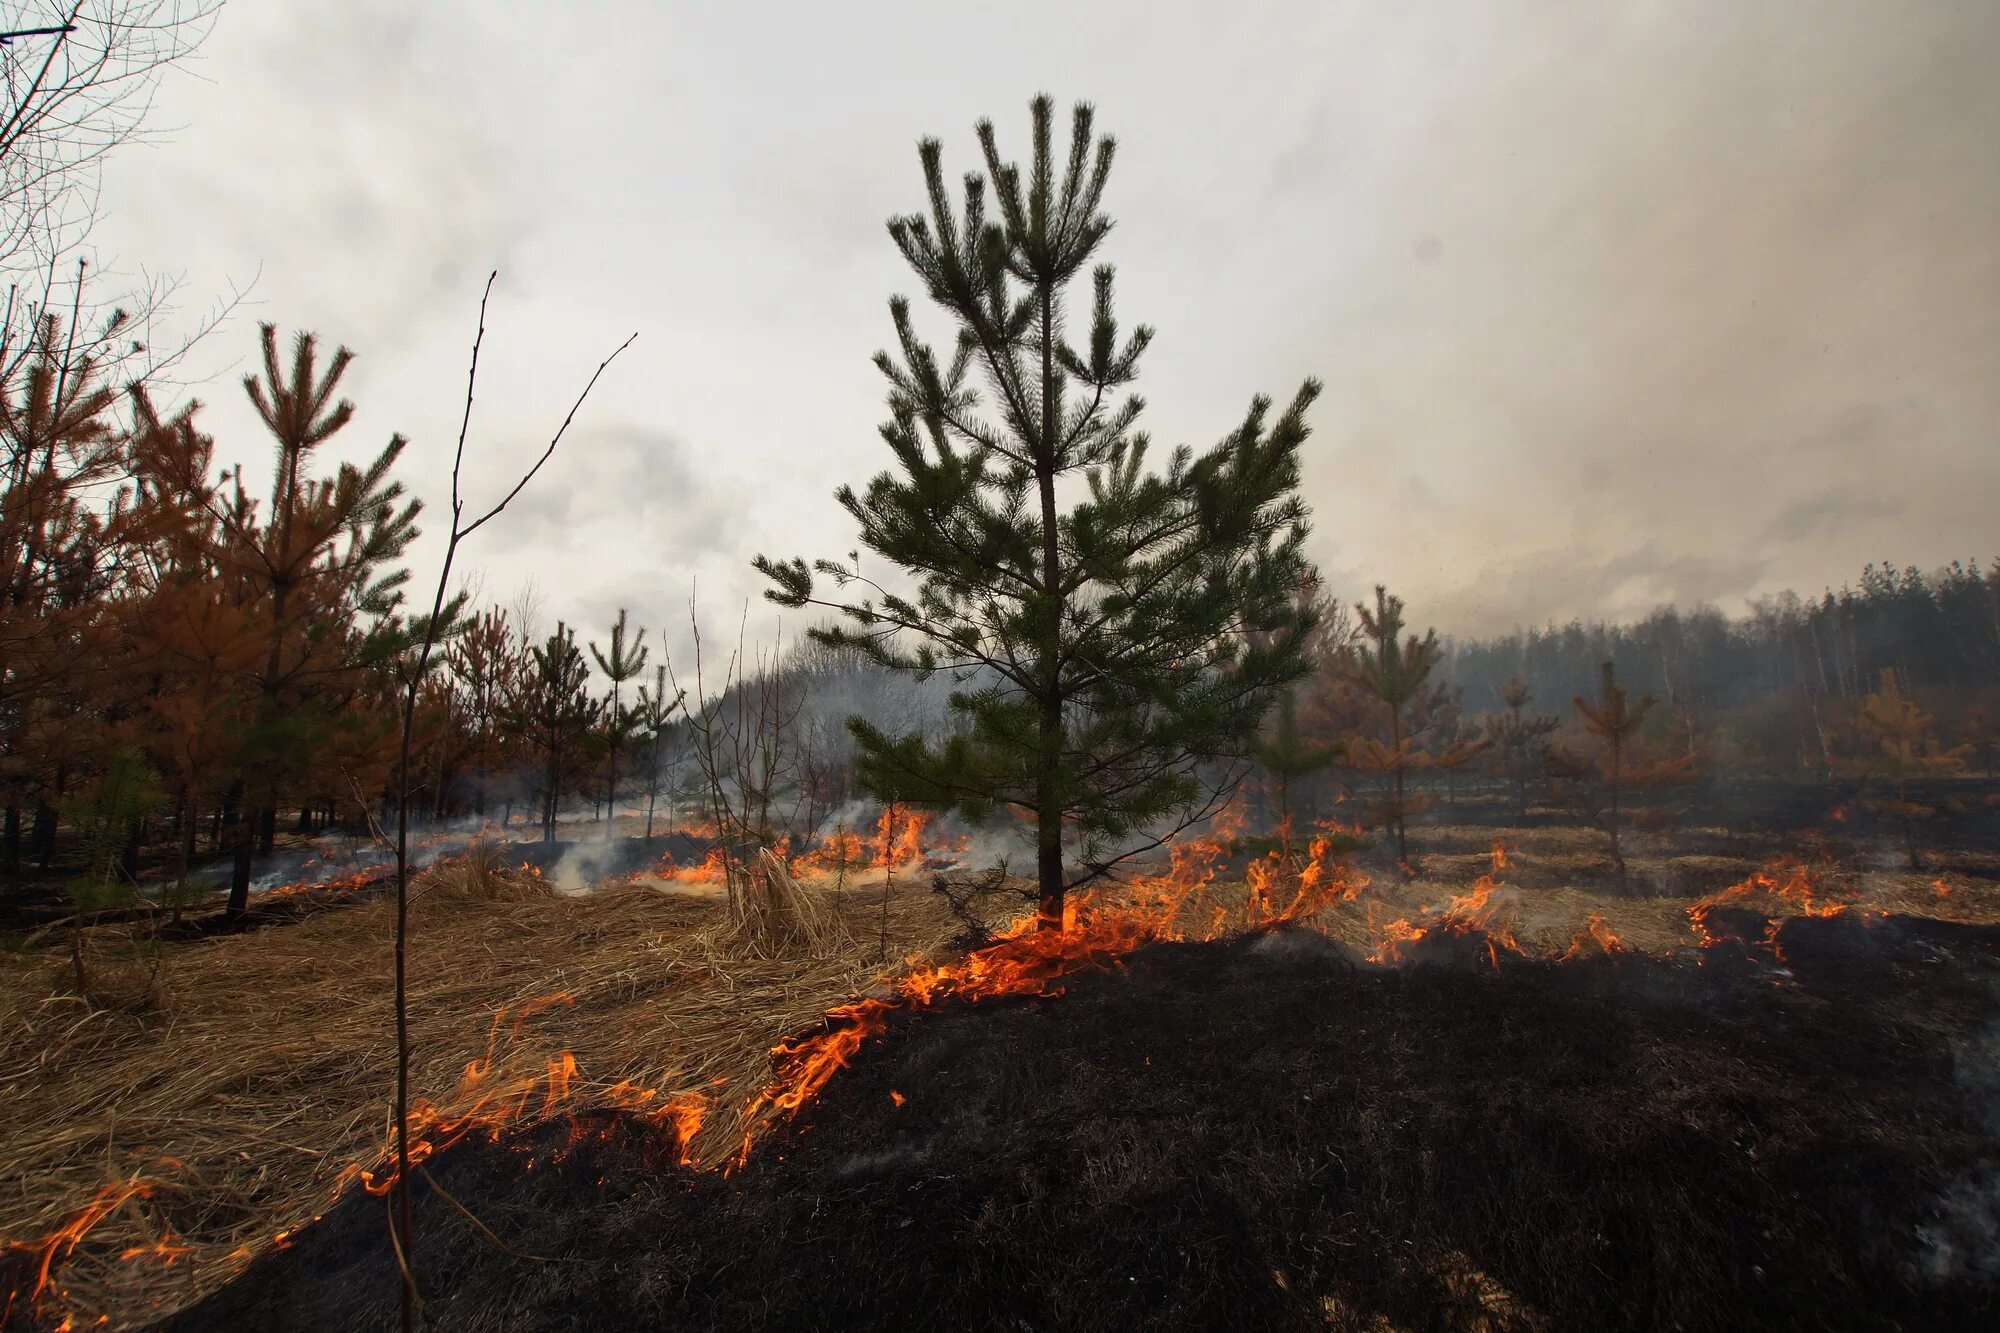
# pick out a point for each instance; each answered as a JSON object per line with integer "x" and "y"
{"x": 774, "y": 915}
{"x": 235, "y": 1104}
{"x": 226, "y": 1100}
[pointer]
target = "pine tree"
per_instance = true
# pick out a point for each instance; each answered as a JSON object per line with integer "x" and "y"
{"x": 1284, "y": 753}
{"x": 1394, "y": 670}
{"x": 1104, "y": 648}
{"x": 654, "y": 716}
{"x": 1981, "y": 736}
{"x": 620, "y": 665}
{"x": 1615, "y": 720}
{"x": 1514, "y": 733}
{"x": 194, "y": 628}
{"x": 58, "y": 553}
{"x": 553, "y": 711}
{"x": 485, "y": 662}
{"x": 103, "y": 821}
{"x": 1905, "y": 748}
{"x": 307, "y": 569}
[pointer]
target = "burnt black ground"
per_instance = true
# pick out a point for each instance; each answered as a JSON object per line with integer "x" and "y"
{"x": 1261, "y": 1134}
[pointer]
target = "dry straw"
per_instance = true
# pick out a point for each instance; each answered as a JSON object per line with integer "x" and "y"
{"x": 203, "y": 1128}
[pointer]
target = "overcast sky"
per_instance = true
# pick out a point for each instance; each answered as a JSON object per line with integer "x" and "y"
{"x": 1615, "y": 304}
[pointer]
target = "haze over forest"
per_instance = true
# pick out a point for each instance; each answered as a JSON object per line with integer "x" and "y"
{"x": 1669, "y": 302}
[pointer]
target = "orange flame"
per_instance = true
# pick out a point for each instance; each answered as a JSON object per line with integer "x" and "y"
{"x": 1026, "y": 961}
{"x": 1476, "y": 911}
{"x": 1785, "y": 882}
{"x": 51, "y": 1250}
{"x": 1596, "y": 939}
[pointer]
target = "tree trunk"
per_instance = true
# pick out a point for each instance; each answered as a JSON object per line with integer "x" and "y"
{"x": 45, "y": 836}
{"x": 187, "y": 855}
{"x": 128, "y": 858}
{"x": 611, "y": 778}
{"x": 1048, "y": 808}
{"x": 10, "y": 840}
{"x": 1617, "y": 855}
{"x": 239, "y": 878}
{"x": 1396, "y": 744}
{"x": 553, "y": 797}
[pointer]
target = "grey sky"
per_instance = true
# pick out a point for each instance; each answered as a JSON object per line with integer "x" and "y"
{"x": 1615, "y": 304}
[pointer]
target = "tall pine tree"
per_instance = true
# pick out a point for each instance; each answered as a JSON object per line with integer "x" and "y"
{"x": 1111, "y": 652}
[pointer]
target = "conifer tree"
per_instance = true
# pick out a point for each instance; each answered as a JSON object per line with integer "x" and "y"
{"x": 654, "y": 716}
{"x": 620, "y": 665}
{"x": 1287, "y": 756}
{"x": 1981, "y": 736}
{"x": 60, "y": 451}
{"x": 103, "y": 821}
{"x": 1905, "y": 748}
{"x": 554, "y": 712}
{"x": 484, "y": 661}
{"x": 1104, "y": 648}
{"x": 1394, "y": 669}
{"x": 1615, "y": 721}
{"x": 194, "y": 626}
{"x": 307, "y": 568}
{"x": 1513, "y": 735}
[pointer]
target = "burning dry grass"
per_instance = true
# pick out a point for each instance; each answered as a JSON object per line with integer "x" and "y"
{"x": 154, "y": 1154}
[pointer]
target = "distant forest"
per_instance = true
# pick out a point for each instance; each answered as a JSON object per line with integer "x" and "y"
{"x": 1768, "y": 690}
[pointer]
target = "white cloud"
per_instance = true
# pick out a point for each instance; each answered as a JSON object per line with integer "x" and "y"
{"x": 1614, "y": 303}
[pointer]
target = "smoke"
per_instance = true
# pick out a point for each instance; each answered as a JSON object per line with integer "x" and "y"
{"x": 1623, "y": 290}
{"x": 1963, "y": 1239}
{"x": 338, "y": 854}
{"x": 584, "y": 863}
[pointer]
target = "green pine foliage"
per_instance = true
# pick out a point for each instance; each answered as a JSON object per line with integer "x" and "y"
{"x": 554, "y": 712}
{"x": 1113, "y": 650}
{"x": 621, "y": 724}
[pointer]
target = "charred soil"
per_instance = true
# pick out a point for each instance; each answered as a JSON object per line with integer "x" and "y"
{"x": 1264, "y": 1133}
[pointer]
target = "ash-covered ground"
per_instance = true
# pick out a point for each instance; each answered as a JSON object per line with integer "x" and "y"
{"x": 1266, "y": 1134}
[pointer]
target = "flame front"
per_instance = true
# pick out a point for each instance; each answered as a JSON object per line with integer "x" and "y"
{"x": 1475, "y": 912}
